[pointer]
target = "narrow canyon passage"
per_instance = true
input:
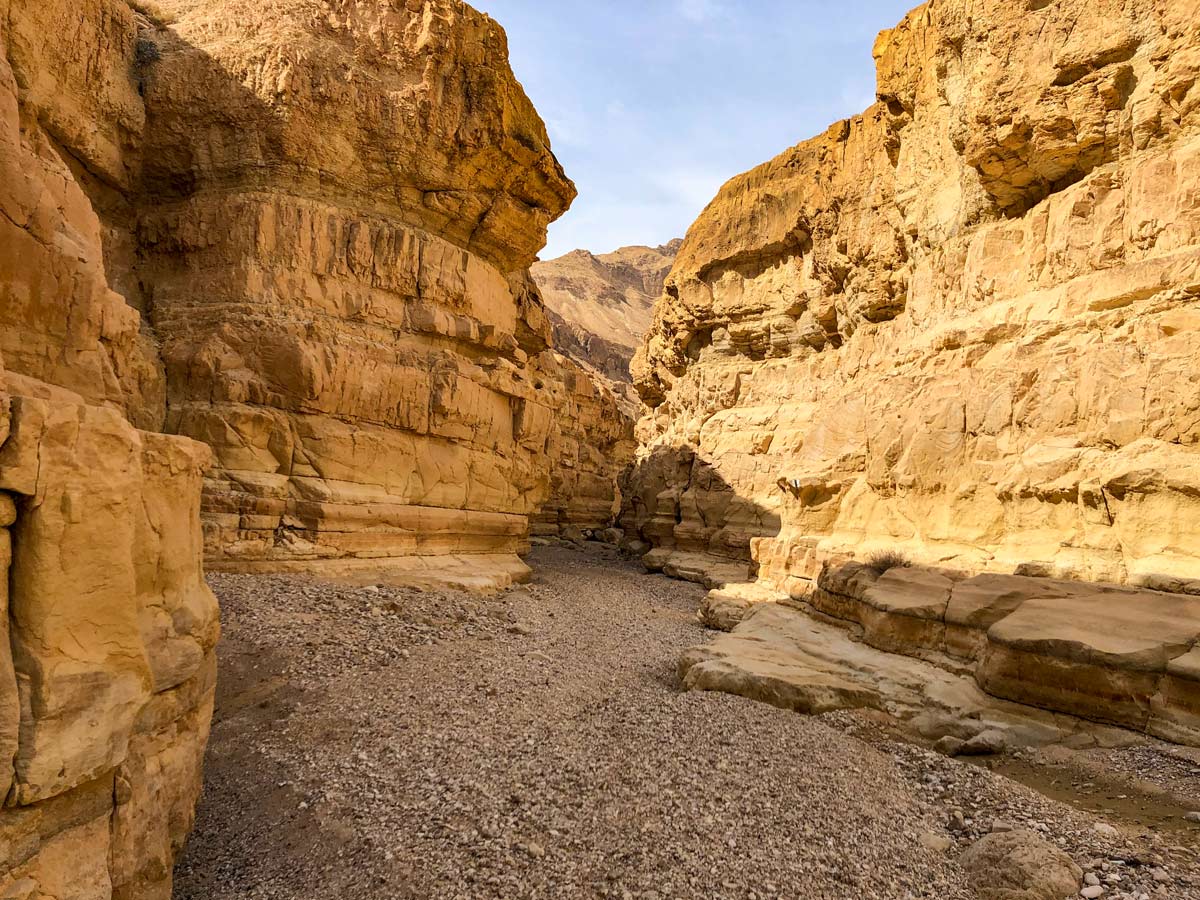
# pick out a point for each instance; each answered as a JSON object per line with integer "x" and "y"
{"x": 380, "y": 743}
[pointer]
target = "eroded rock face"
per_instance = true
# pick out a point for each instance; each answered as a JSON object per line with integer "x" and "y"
{"x": 107, "y": 628}
{"x": 296, "y": 234}
{"x": 590, "y": 449}
{"x": 962, "y": 324}
{"x": 337, "y": 242}
{"x": 601, "y": 306}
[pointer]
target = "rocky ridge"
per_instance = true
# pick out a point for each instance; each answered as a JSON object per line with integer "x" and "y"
{"x": 600, "y": 307}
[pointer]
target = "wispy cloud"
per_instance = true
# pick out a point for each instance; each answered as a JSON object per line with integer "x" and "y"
{"x": 700, "y": 11}
{"x": 652, "y": 106}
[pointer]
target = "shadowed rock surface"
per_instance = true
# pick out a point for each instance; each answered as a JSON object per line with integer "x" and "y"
{"x": 107, "y": 628}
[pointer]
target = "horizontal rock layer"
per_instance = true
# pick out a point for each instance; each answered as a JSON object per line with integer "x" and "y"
{"x": 297, "y": 233}
{"x": 962, "y": 324}
{"x": 337, "y": 248}
{"x": 1106, "y": 653}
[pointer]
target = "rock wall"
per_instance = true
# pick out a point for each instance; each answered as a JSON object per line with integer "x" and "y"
{"x": 107, "y": 628}
{"x": 961, "y": 325}
{"x": 591, "y": 446}
{"x": 294, "y": 236}
{"x": 338, "y": 216}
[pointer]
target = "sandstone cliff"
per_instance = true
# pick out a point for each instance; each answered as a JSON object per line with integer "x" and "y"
{"x": 601, "y": 307}
{"x": 339, "y": 214}
{"x": 590, "y": 449}
{"x": 961, "y": 324}
{"x": 107, "y": 628}
{"x": 298, "y": 233}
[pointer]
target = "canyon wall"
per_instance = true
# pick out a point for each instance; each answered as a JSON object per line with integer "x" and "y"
{"x": 590, "y": 449}
{"x": 962, "y": 325}
{"x": 339, "y": 215}
{"x": 107, "y": 628}
{"x": 264, "y": 296}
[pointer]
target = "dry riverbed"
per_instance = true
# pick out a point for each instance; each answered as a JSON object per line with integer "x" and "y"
{"x": 382, "y": 743}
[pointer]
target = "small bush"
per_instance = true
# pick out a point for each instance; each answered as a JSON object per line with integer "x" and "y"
{"x": 147, "y": 52}
{"x": 887, "y": 559}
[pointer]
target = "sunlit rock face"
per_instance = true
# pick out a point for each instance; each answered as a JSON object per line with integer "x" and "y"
{"x": 275, "y": 256}
{"x": 338, "y": 219}
{"x": 962, "y": 324}
{"x": 601, "y": 306}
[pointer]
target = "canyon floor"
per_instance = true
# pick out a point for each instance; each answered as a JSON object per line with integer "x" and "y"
{"x": 384, "y": 743}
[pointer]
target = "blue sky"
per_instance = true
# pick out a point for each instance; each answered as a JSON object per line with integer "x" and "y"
{"x": 653, "y": 104}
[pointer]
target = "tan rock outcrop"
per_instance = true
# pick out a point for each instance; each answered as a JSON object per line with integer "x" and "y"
{"x": 590, "y": 449}
{"x": 107, "y": 628}
{"x": 337, "y": 243}
{"x": 962, "y": 324}
{"x": 298, "y": 233}
{"x": 601, "y": 307}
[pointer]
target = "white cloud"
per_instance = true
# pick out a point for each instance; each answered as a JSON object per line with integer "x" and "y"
{"x": 690, "y": 187}
{"x": 699, "y": 10}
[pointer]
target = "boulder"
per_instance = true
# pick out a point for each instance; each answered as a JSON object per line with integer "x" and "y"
{"x": 1020, "y": 865}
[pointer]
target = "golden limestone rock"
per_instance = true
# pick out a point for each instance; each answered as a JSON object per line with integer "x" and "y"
{"x": 961, "y": 324}
{"x": 601, "y": 306}
{"x": 962, "y": 327}
{"x": 298, "y": 233}
{"x": 591, "y": 446}
{"x": 341, "y": 202}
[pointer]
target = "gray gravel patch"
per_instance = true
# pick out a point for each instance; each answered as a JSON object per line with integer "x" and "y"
{"x": 381, "y": 743}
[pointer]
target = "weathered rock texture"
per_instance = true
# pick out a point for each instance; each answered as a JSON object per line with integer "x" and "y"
{"x": 298, "y": 232}
{"x": 963, "y": 323}
{"x": 934, "y": 647}
{"x": 107, "y": 628}
{"x": 590, "y": 449}
{"x": 601, "y": 307}
{"x": 340, "y": 212}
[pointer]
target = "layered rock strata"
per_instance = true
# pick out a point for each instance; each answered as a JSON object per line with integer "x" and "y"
{"x": 913, "y": 641}
{"x": 339, "y": 216}
{"x": 962, "y": 324}
{"x": 299, "y": 234}
{"x": 591, "y": 447}
{"x": 107, "y": 628}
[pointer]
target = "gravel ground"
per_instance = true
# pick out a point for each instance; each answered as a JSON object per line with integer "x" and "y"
{"x": 381, "y": 743}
